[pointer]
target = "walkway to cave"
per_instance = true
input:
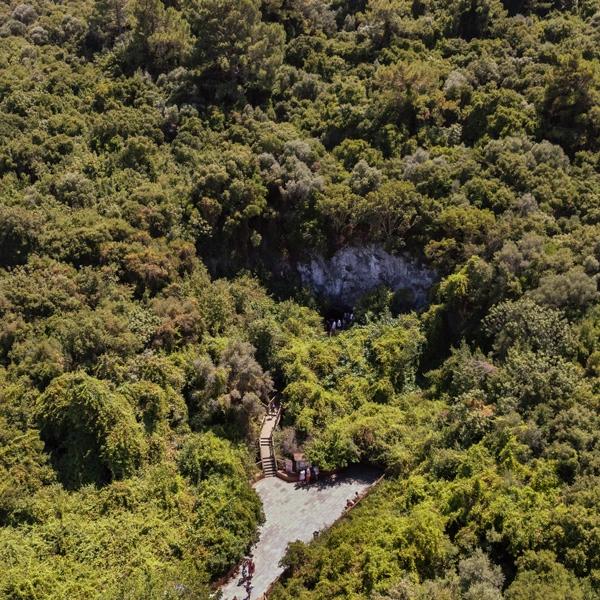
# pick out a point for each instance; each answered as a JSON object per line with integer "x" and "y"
{"x": 295, "y": 513}
{"x": 265, "y": 441}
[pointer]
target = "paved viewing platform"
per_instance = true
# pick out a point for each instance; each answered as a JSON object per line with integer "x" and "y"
{"x": 294, "y": 513}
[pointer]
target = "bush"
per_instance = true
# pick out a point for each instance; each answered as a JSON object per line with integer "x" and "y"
{"x": 90, "y": 431}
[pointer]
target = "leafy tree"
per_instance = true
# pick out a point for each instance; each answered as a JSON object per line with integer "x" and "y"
{"x": 161, "y": 37}
{"x": 392, "y": 212}
{"x": 232, "y": 65}
{"x": 204, "y": 456}
{"x": 396, "y": 351}
{"x": 108, "y": 21}
{"x": 479, "y": 578}
{"x": 568, "y": 109}
{"x": 527, "y": 324}
{"x": 25, "y": 470}
{"x": 540, "y": 574}
{"x": 90, "y": 430}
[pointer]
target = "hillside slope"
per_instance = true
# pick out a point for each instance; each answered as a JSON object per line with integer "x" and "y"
{"x": 166, "y": 170}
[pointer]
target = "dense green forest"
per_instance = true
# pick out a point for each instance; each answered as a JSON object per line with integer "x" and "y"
{"x": 164, "y": 165}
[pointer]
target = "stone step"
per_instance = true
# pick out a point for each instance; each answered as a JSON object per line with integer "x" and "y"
{"x": 265, "y": 442}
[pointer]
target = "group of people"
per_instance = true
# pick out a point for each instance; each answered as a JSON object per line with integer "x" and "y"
{"x": 306, "y": 476}
{"x": 248, "y": 568}
{"x": 352, "y": 501}
{"x": 335, "y": 325}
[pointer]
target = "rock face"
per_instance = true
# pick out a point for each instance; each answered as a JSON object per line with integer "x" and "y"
{"x": 351, "y": 272}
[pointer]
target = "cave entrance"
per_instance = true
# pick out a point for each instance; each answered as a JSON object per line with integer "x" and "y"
{"x": 337, "y": 316}
{"x": 336, "y": 311}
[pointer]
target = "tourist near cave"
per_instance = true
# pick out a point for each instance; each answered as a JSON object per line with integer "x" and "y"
{"x": 299, "y": 300}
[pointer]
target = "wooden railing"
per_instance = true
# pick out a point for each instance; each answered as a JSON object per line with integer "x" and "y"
{"x": 277, "y": 418}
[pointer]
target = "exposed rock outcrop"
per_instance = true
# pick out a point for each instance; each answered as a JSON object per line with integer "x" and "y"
{"x": 354, "y": 271}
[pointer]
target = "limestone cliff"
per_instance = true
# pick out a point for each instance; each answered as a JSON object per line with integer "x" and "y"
{"x": 353, "y": 271}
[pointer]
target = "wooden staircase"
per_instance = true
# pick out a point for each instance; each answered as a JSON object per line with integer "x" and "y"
{"x": 265, "y": 442}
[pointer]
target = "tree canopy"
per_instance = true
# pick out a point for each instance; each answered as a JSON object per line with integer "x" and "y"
{"x": 166, "y": 166}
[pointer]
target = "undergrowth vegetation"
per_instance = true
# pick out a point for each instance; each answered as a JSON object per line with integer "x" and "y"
{"x": 164, "y": 166}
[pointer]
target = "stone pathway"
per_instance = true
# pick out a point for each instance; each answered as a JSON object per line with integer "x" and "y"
{"x": 295, "y": 513}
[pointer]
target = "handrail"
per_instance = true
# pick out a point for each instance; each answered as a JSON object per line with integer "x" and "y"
{"x": 277, "y": 419}
{"x": 276, "y": 416}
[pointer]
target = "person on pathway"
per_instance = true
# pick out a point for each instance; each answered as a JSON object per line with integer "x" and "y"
{"x": 248, "y": 590}
{"x": 251, "y": 568}
{"x": 302, "y": 476}
{"x": 316, "y": 472}
{"x": 308, "y": 476}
